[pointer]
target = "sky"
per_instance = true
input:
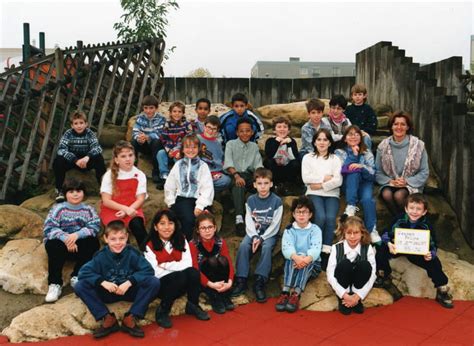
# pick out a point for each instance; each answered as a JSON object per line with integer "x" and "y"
{"x": 228, "y": 37}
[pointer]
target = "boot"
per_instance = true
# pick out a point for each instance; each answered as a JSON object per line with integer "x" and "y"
{"x": 443, "y": 297}
{"x": 195, "y": 310}
{"x": 162, "y": 317}
{"x": 240, "y": 286}
{"x": 259, "y": 289}
{"x": 108, "y": 325}
{"x": 228, "y": 304}
{"x": 130, "y": 326}
{"x": 215, "y": 300}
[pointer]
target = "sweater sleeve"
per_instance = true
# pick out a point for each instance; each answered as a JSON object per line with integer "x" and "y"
{"x": 151, "y": 258}
{"x": 364, "y": 291}
{"x": 316, "y": 243}
{"x": 51, "y": 229}
{"x": 95, "y": 148}
{"x": 137, "y": 127}
{"x": 172, "y": 185}
{"x": 271, "y": 147}
{"x": 336, "y": 180}
{"x": 249, "y": 222}
{"x": 90, "y": 272}
{"x": 63, "y": 148}
{"x": 228, "y": 157}
{"x": 274, "y": 226}
{"x": 306, "y": 138}
{"x": 287, "y": 244}
{"x": 371, "y": 122}
{"x": 380, "y": 177}
{"x": 92, "y": 227}
{"x": 257, "y": 161}
{"x": 226, "y": 254}
{"x": 330, "y": 274}
{"x": 369, "y": 163}
{"x": 205, "y": 187}
{"x": 142, "y": 268}
{"x": 194, "y": 256}
{"x": 186, "y": 260}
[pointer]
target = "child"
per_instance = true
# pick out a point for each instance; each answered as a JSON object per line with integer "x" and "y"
{"x": 168, "y": 252}
{"x": 263, "y": 215}
{"x": 315, "y": 108}
{"x": 337, "y": 121}
{"x": 351, "y": 266}
{"x": 203, "y": 108}
{"x": 212, "y": 153}
{"x": 358, "y": 170}
{"x": 239, "y": 110}
{"x": 118, "y": 272}
{"x": 123, "y": 192}
{"x": 211, "y": 257}
{"x": 70, "y": 232}
{"x": 301, "y": 247}
{"x": 242, "y": 158}
{"x": 415, "y": 218}
{"x": 173, "y": 132}
{"x": 321, "y": 172}
{"x": 361, "y": 114}
{"x": 282, "y": 154}
{"x": 189, "y": 189}
{"x": 78, "y": 148}
{"x": 147, "y": 131}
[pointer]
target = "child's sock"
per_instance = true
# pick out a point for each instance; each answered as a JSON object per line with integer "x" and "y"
{"x": 298, "y": 290}
{"x": 239, "y": 219}
{"x": 286, "y": 289}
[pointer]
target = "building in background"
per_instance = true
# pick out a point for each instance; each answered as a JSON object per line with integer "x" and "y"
{"x": 472, "y": 54}
{"x": 294, "y": 68}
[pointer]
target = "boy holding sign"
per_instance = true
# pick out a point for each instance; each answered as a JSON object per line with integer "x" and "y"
{"x": 395, "y": 238}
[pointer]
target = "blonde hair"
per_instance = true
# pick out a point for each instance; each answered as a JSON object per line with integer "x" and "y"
{"x": 353, "y": 222}
{"x": 114, "y": 168}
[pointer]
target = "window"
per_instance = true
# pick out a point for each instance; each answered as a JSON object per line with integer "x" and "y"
{"x": 303, "y": 71}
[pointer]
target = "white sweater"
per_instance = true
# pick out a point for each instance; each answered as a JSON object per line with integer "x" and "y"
{"x": 315, "y": 168}
{"x": 163, "y": 269}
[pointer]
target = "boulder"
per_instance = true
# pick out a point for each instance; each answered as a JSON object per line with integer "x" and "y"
{"x": 19, "y": 222}
{"x": 111, "y": 134}
{"x": 295, "y": 111}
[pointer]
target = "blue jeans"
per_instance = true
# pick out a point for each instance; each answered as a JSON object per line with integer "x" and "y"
{"x": 95, "y": 297}
{"x": 163, "y": 162}
{"x": 358, "y": 189}
{"x": 326, "y": 209}
{"x": 264, "y": 265}
{"x": 222, "y": 183}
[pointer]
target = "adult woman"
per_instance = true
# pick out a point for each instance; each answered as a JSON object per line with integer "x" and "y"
{"x": 401, "y": 163}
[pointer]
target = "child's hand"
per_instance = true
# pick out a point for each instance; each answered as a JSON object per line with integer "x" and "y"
{"x": 428, "y": 257}
{"x": 327, "y": 178}
{"x": 197, "y": 212}
{"x": 239, "y": 181}
{"x": 130, "y": 211}
{"x": 215, "y": 285}
{"x": 109, "y": 286}
{"x": 298, "y": 261}
{"x": 316, "y": 186}
{"x": 354, "y": 166}
{"x": 142, "y": 138}
{"x": 225, "y": 287}
{"x": 255, "y": 244}
{"x": 82, "y": 163}
{"x": 355, "y": 149}
{"x": 391, "y": 248}
{"x": 71, "y": 240}
{"x": 350, "y": 300}
{"x": 72, "y": 248}
{"x": 123, "y": 288}
{"x": 120, "y": 214}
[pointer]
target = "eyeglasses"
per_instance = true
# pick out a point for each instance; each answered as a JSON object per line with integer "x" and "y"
{"x": 211, "y": 128}
{"x": 353, "y": 134}
{"x": 207, "y": 228}
{"x": 301, "y": 212}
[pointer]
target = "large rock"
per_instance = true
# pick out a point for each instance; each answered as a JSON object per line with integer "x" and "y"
{"x": 295, "y": 111}
{"x": 19, "y": 222}
{"x": 24, "y": 267}
{"x": 111, "y": 134}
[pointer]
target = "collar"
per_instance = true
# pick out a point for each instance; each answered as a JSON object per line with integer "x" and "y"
{"x": 347, "y": 248}
{"x": 308, "y": 226}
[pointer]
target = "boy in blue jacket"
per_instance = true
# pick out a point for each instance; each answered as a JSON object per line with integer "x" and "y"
{"x": 118, "y": 272}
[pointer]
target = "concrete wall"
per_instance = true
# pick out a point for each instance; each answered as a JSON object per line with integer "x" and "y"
{"x": 260, "y": 91}
{"x": 433, "y": 95}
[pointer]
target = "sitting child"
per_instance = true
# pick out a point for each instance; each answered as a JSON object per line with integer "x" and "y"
{"x": 203, "y": 108}
{"x": 301, "y": 246}
{"x": 118, "y": 272}
{"x": 315, "y": 108}
{"x": 282, "y": 155}
{"x": 337, "y": 121}
{"x": 70, "y": 232}
{"x": 351, "y": 266}
{"x": 242, "y": 158}
{"x": 211, "y": 257}
{"x": 170, "y": 256}
{"x": 415, "y": 218}
{"x": 78, "y": 148}
{"x": 263, "y": 215}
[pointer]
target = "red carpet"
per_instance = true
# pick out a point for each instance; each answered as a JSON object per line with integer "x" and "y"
{"x": 410, "y": 321}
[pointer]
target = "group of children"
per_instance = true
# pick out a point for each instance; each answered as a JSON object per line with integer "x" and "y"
{"x": 193, "y": 160}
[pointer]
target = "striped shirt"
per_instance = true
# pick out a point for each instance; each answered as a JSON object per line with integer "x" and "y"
{"x": 74, "y": 146}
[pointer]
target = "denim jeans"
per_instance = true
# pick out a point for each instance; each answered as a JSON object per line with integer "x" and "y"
{"x": 264, "y": 265}
{"x": 358, "y": 189}
{"x": 222, "y": 183}
{"x": 326, "y": 209}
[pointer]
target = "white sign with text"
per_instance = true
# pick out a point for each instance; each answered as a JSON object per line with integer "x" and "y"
{"x": 412, "y": 241}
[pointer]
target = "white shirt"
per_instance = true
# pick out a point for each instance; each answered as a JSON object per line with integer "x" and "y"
{"x": 163, "y": 269}
{"x": 351, "y": 255}
{"x": 106, "y": 185}
{"x": 315, "y": 168}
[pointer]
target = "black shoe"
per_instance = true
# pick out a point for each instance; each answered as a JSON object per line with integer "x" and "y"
{"x": 216, "y": 301}
{"x": 162, "y": 317}
{"x": 195, "y": 310}
{"x": 240, "y": 286}
{"x": 240, "y": 229}
{"x": 259, "y": 289}
{"x": 228, "y": 304}
{"x": 282, "y": 301}
{"x": 108, "y": 325}
{"x": 324, "y": 261}
{"x": 130, "y": 326}
{"x": 386, "y": 283}
{"x": 344, "y": 309}
{"x": 359, "y": 308}
{"x": 444, "y": 298}
{"x": 160, "y": 185}
{"x": 293, "y": 302}
{"x": 155, "y": 176}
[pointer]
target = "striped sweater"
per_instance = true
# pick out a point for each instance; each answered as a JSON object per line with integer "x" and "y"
{"x": 74, "y": 146}
{"x": 65, "y": 218}
{"x": 173, "y": 133}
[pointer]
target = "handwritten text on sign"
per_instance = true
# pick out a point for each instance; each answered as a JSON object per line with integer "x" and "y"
{"x": 412, "y": 241}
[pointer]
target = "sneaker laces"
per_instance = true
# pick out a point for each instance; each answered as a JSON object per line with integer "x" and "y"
{"x": 283, "y": 298}
{"x": 294, "y": 298}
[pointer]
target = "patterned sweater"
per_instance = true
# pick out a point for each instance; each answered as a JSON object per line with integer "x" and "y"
{"x": 74, "y": 146}
{"x": 65, "y": 218}
{"x": 173, "y": 133}
{"x": 150, "y": 127}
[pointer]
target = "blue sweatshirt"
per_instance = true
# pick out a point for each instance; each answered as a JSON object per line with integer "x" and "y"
{"x": 302, "y": 241}
{"x": 229, "y": 125}
{"x": 263, "y": 216}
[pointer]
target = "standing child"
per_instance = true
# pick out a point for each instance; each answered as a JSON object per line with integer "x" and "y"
{"x": 189, "y": 189}
{"x": 337, "y": 121}
{"x": 147, "y": 131}
{"x": 358, "y": 170}
{"x": 173, "y": 132}
{"x": 242, "y": 158}
{"x": 169, "y": 255}
{"x": 282, "y": 154}
{"x": 351, "y": 266}
{"x": 211, "y": 257}
{"x": 123, "y": 192}
{"x": 203, "y": 108}
{"x": 212, "y": 153}
{"x": 415, "y": 218}
{"x": 70, "y": 232}
{"x": 321, "y": 172}
{"x": 301, "y": 247}
{"x": 78, "y": 148}
{"x": 361, "y": 114}
{"x": 315, "y": 108}
{"x": 229, "y": 120}
{"x": 263, "y": 215}
{"x": 118, "y": 272}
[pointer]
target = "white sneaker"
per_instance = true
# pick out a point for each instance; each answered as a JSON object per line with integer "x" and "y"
{"x": 351, "y": 210}
{"x": 59, "y": 196}
{"x": 164, "y": 176}
{"x": 54, "y": 291}
{"x": 74, "y": 280}
{"x": 374, "y": 236}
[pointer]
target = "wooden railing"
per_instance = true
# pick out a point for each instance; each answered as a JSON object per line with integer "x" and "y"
{"x": 106, "y": 81}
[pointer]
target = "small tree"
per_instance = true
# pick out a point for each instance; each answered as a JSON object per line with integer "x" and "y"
{"x": 200, "y": 72}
